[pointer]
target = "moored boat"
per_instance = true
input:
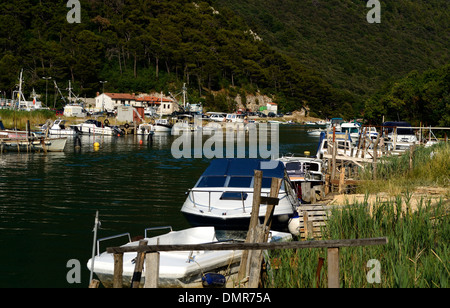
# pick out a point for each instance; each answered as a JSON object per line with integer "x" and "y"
{"x": 94, "y": 127}
{"x": 304, "y": 170}
{"x": 177, "y": 269}
{"x": 223, "y": 196}
{"x": 33, "y": 144}
{"x": 58, "y": 128}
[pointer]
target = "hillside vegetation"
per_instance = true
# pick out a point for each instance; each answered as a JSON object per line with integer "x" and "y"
{"x": 319, "y": 54}
{"x": 334, "y": 37}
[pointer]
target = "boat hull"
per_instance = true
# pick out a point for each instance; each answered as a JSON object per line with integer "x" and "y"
{"x": 279, "y": 222}
{"x": 180, "y": 269}
{"x": 162, "y": 128}
{"x": 46, "y": 145}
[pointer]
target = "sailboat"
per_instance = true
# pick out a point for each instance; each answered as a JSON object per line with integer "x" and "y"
{"x": 162, "y": 125}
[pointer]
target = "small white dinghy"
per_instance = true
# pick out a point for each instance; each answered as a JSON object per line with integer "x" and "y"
{"x": 177, "y": 269}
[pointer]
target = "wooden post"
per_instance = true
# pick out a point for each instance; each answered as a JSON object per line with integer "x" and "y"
{"x": 118, "y": 271}
{"x": 274, "y": 190}
{"x": 319, "y": 269}
{"x": 411, "y": 155}
{"x": 333, "y": 267}
{"x": 333, "y": 164}
{"x": 253, "y": 222}
{"x": 375, "y": 157}
{"x": 136, "y": 280}
{"x": 342, "y": 181}
{"x": 262, "y": 235}
{"x": 256, "y": 260}
{"x": 327, "y": 183}
{"x": 306, "y": 191}
{"x": 151, "y": 270}
{"x": 94, "y": 284}
{"x": 307, "y": 226}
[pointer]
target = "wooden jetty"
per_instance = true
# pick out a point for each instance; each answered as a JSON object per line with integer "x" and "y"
{"x": 253, "y": 247}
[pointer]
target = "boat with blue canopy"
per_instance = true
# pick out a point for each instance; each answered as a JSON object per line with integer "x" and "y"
{"x": 223, "y": 195}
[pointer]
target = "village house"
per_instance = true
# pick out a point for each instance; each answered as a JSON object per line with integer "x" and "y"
{"x": 111, "y": 101}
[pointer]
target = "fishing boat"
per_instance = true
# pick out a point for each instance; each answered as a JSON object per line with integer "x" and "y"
{"x": 162, "y": 126}
{"x": 58, "y": 128}
{"x": 223, "y": 196}
{"x": 301, "y": 170}
{"x": 94, "y": 127}
{"x": 353, "y": 129}
{"x": 145, "y": 129}
{"x": 183, "y": 269}
{"x": 33, "y": 144}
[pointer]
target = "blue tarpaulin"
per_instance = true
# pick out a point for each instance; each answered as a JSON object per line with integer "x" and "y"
{"x": 244, "y": 167}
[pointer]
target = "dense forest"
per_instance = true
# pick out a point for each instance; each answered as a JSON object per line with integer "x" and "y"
{"x": 309, "y": 53}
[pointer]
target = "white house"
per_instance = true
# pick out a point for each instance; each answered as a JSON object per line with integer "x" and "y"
{"x": 272, "y": 107}
{"x": 110, "y": 101}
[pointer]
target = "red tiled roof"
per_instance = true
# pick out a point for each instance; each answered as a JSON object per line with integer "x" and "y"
{"x": 153, "y": 99}
{"x": 121, "y": 96}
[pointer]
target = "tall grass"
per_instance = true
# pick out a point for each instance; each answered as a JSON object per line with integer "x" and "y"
{"x": 417, "y": 254}
{"x": 18, "y": 119}
{"x": 430, "y": 167}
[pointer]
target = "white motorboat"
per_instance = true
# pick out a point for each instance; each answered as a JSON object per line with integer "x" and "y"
{"x": 177, "y": 269}
{"x": 162, "y": 126}
{"x": 94, "y": 127}
{"x": 315, "y": 132}
{"x": 33, "y": 144}
{"x": 353, "y": 129}
{"x": 145, "y": 129}
{"x": 58, "y": 128}
{"x": 223, "y": 196}
{"x": 304, "y": 170}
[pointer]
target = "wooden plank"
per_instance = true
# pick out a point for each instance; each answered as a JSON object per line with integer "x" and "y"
{"x": 94, "y": 284}
{"x": 139, "y": 266}
{"x": 262, "y": 235}
{"x": 152, "y": 270}
{"x": 333, "y": 267}
{"x": 254, "y": 219}
{"x": 118, "y": 271}
{"x": 306, "y": 191}
{"x": 253, "y": 246}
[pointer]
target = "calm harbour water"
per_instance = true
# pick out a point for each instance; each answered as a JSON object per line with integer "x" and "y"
{"x": 48, "y": 202}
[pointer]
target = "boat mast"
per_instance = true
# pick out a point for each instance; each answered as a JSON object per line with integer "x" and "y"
{"x": 184, "y": 96}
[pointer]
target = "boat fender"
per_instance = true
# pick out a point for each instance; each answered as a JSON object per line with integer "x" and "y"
{"x": 212, "y": 280}
{"x": 294, "y": 225}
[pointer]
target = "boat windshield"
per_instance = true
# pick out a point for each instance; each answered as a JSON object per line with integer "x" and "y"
{"x": 234, "y": 182}
{"x": 238, "y": 181}
{"x": 212, "y": 181}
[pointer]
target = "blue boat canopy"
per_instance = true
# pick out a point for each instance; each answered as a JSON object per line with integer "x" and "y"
{"x": 244, "y": 167}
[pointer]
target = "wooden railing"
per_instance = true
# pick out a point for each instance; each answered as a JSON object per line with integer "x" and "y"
{"x": 151, "y": 255}
{"x": 256, "y": 242}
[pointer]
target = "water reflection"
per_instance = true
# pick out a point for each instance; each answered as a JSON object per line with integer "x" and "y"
{"x": 48, "y": 202}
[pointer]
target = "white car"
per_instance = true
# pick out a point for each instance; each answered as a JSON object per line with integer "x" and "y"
{"x": 217, "y": 118}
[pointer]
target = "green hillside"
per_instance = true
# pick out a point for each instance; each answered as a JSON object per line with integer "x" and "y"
{"x": 334, "y": 37}
{"x": 321, "y": 54}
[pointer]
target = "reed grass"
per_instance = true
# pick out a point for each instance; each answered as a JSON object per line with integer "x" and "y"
{"x": 18, "y": 119}
{"x": 417, "y": 255}
{"x": 430, "y": 167}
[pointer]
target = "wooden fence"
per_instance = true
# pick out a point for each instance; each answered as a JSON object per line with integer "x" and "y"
{"x": 150, "y": 255}
{"x": 256, "y": 242}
